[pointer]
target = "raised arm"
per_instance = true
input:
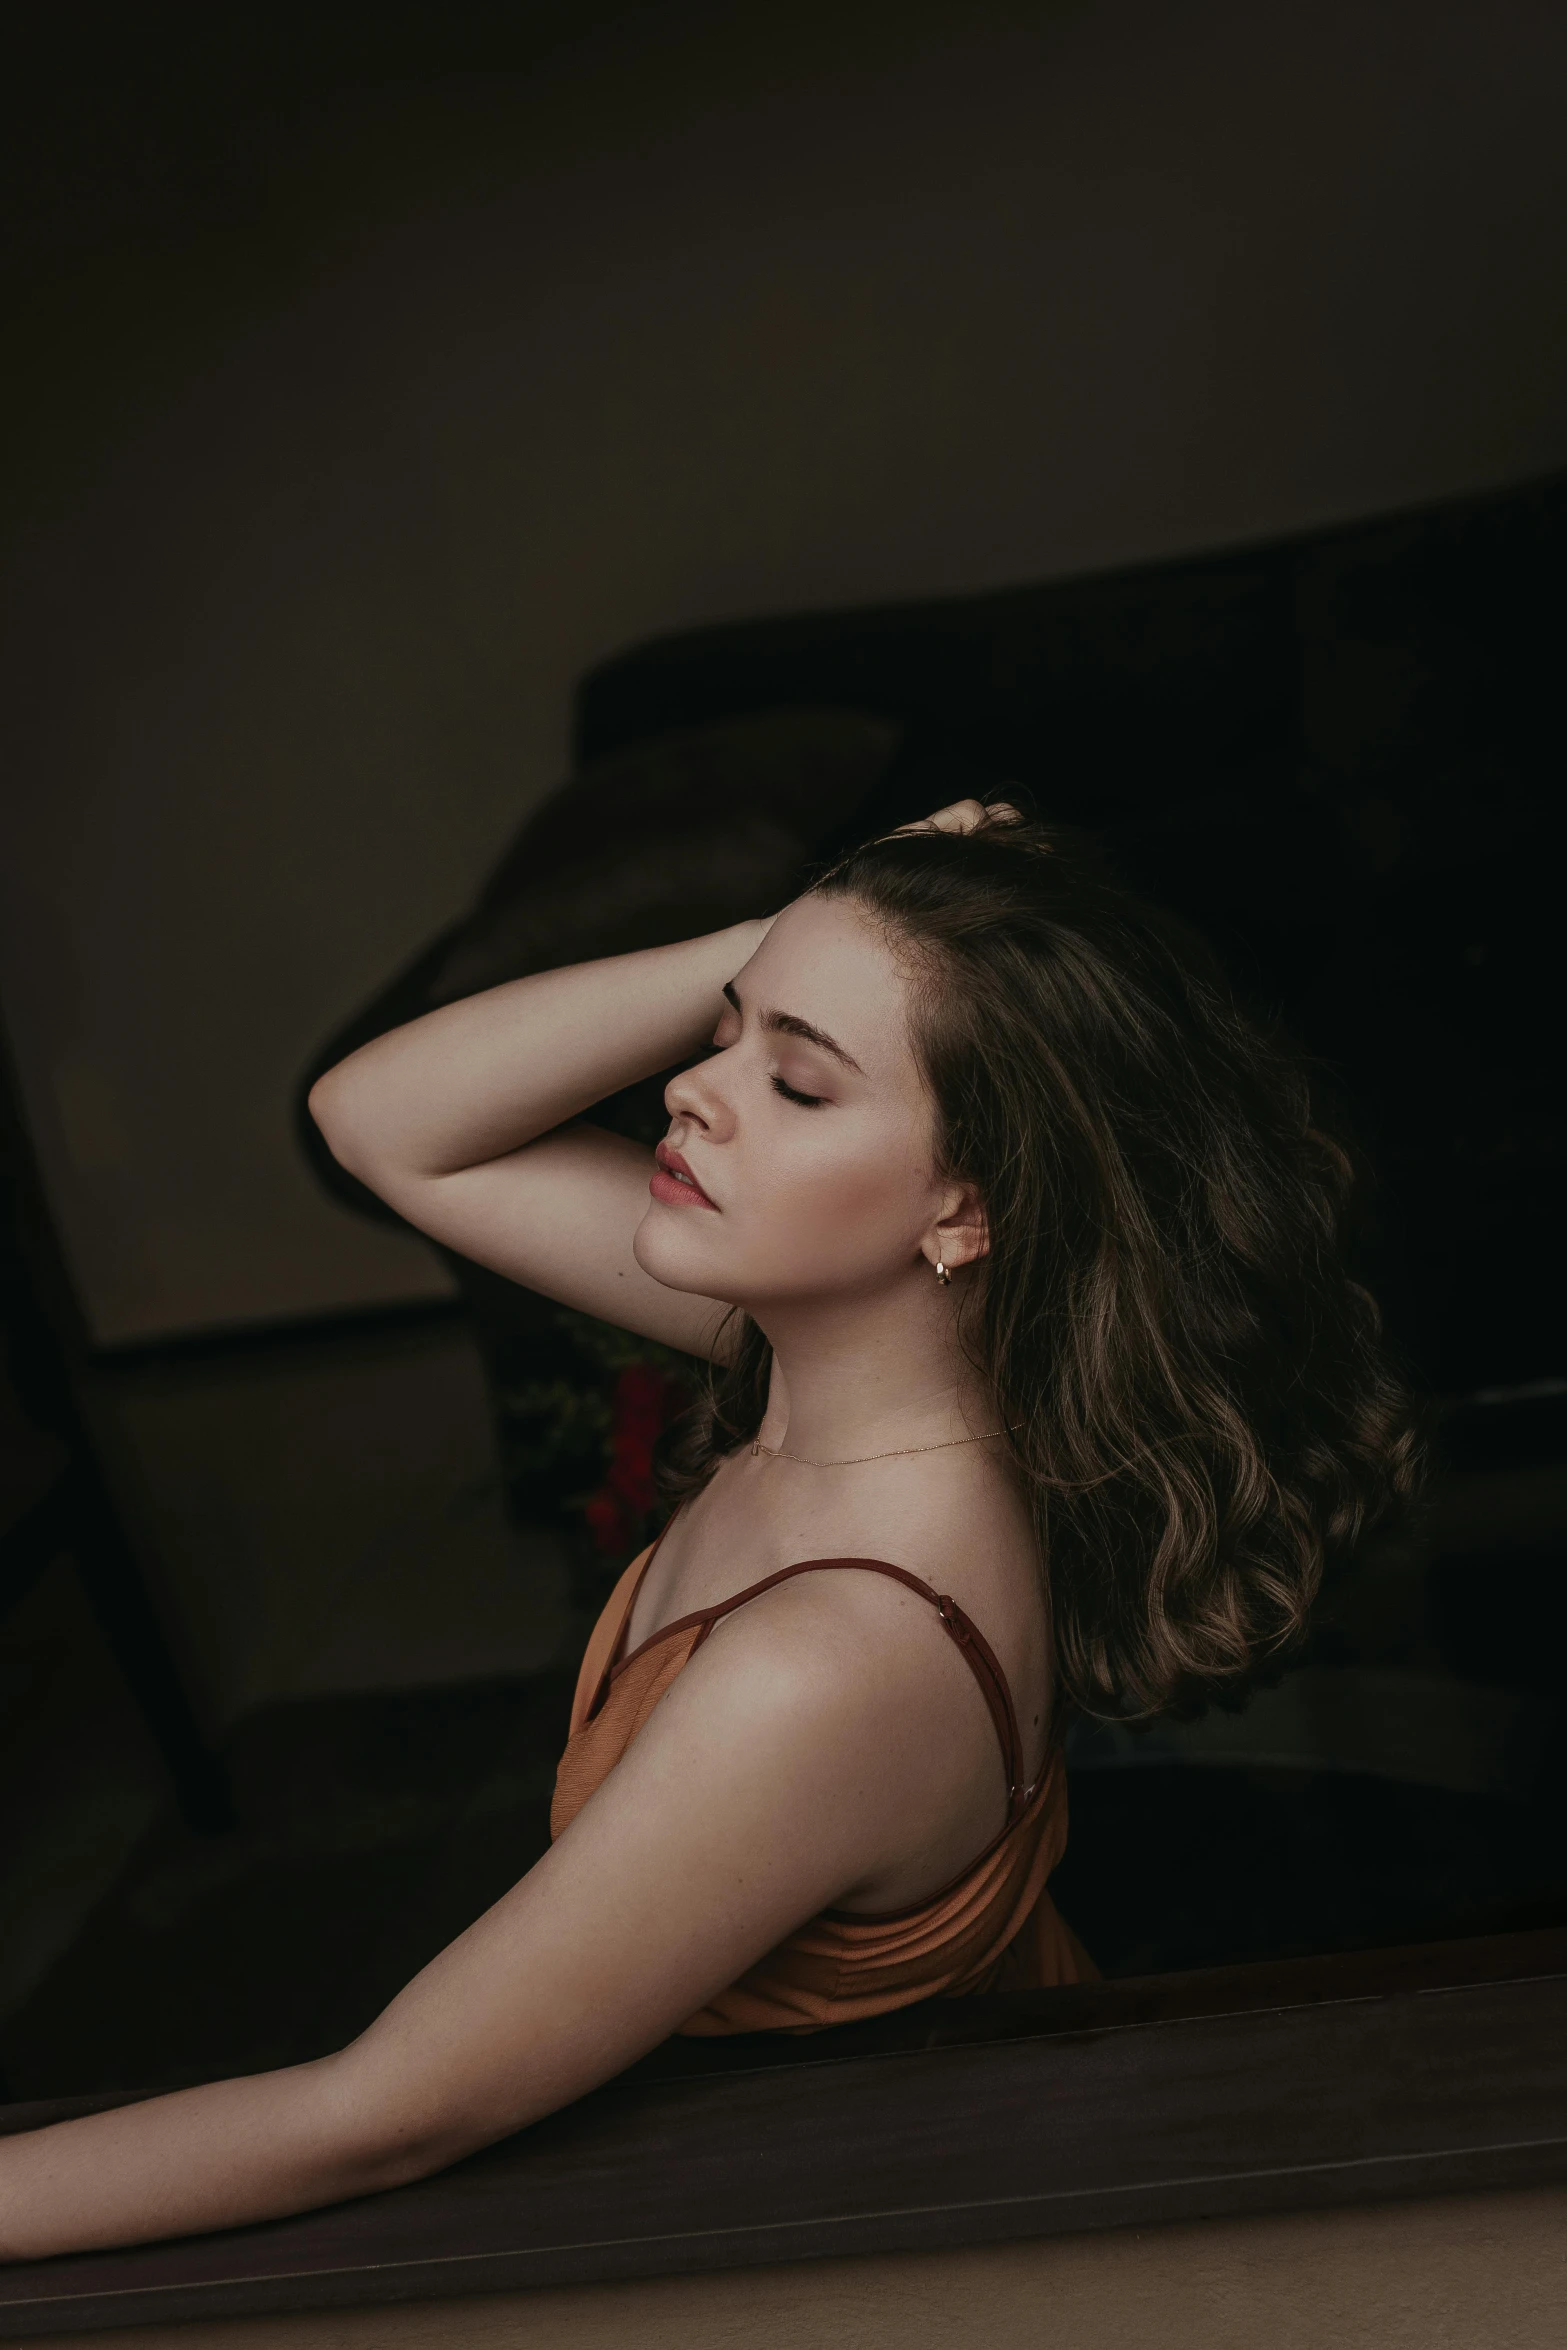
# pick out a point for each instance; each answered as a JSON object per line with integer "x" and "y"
{"x": 460, "y": 1122}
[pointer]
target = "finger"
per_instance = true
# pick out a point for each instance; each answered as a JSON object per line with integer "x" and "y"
{"x": 961, "y": 816}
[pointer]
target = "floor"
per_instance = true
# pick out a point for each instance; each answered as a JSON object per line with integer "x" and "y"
{"x": 80, "y": 1781}
{"x": 350, "y": 1595}
{"x": 373, "y": 1828}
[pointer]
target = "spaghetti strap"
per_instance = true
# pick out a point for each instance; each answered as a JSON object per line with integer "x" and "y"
{"x": 991, "y": 1927}
{"x": 965, "y": 1633}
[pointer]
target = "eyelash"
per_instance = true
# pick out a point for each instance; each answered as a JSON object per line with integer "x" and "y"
{"x": 807, "y": 1101}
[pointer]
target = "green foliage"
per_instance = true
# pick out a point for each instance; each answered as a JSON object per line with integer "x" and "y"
{"x": 552, "y": 1426}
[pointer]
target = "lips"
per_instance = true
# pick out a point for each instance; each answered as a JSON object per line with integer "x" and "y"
{"x": 674, "y": 1183}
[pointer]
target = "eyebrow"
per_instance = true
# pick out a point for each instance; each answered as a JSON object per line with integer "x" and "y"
{"x": 790, "y": 1024}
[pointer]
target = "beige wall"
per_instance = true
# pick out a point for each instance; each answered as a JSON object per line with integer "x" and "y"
{"x": 785, "y": 311}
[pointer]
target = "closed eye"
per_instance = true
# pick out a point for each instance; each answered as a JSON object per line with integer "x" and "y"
{"x": 792, "y": 1093}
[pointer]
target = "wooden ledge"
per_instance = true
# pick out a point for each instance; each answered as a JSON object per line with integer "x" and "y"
{"x": 1342, "y": 2080}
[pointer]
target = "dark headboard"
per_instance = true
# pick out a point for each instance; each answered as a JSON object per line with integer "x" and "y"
{"x": 1341, "y": 756}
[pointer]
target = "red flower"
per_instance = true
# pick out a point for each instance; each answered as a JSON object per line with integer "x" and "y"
{"x": 645, "y": 1400}
{"x": 606, "y": 1522}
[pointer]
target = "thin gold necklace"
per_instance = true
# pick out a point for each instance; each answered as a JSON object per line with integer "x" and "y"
{"x": 775, "y": 1452}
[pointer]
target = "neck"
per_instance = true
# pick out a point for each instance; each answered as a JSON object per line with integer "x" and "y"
{"x": 862, "y": 1375}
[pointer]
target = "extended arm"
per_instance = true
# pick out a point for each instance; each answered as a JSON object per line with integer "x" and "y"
{"x": 785, "y": 1763}
{"x": 459, "y": 1122}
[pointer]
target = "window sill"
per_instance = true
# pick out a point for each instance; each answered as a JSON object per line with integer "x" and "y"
{"x": 1320, "y": 2081}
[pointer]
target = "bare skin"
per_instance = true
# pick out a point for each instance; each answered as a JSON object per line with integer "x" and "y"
{"x": 827, "y": 1747}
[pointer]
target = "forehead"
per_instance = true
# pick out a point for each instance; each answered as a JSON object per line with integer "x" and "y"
{"x": 828, "y": 962}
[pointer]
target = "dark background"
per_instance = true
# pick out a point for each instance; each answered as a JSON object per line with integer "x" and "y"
{"x": 407, "y": 402}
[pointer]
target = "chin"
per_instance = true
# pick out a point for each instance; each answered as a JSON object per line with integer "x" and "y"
{"x": 663, "y": 1249}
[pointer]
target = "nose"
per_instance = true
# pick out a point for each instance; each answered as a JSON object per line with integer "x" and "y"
{"x": 701, "y": 1095}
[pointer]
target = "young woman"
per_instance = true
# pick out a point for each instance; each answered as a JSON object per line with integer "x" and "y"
{"x": 1038, "y": 1384}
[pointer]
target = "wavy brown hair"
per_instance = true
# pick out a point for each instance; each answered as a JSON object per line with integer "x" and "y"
{"x": 1197, "y": 1400}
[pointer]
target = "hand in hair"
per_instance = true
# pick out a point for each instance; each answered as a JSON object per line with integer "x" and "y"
{"x": 964, "y": 816}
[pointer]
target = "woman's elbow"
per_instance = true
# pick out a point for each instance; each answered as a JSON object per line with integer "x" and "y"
{"x": 372, "y": 2166}
{"x": 389, "y": 2136}
{"x": 321, "y": 1101}
{"x": 329, "y": 1105}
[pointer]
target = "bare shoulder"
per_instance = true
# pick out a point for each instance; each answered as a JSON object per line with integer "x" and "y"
{"x": 969, "y": 1536}
{"x": 850, "y": 1686}
{"x": 842, "y": 1642}
{"x": 840, "y": 1684}
{"x": 841, "y": 1678}
{"x": 811, "y": 1689}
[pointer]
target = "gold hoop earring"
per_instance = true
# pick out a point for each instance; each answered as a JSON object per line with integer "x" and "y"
{"x": 942, "y": 1275}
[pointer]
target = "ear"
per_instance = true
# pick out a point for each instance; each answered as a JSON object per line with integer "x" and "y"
{"x": 961, "y": 1235}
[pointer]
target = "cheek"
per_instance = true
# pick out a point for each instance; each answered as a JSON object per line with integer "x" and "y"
{"x": 843, "y": 1192}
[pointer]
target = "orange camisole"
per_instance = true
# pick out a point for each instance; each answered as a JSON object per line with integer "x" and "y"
{"x": 993, "y": 1928}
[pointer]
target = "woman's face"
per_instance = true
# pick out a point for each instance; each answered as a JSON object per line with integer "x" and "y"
{"x": 809, "y": 1130}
